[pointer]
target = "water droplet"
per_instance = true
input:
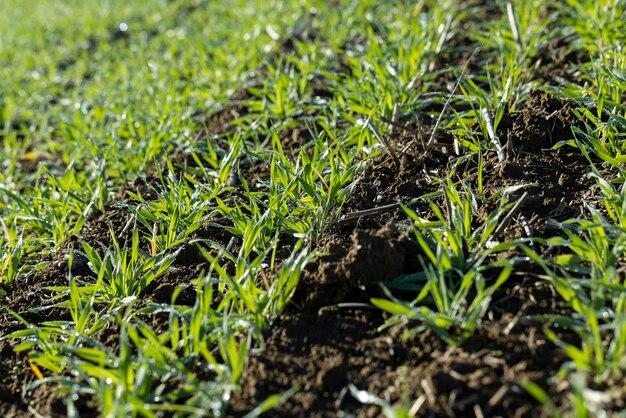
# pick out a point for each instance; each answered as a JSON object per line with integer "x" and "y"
{"x": 123, "y": 27}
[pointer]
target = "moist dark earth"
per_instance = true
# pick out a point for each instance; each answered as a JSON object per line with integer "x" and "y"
{"x": 330, "y": 341}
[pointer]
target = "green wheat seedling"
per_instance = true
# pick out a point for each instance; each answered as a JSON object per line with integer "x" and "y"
{"x": 578, "y": 403}
{"x": 598, "y": 28}
{"x": 609, "y": 80}
{"x": 456, "y": 261}
{"x": 481, "y": 104}
{"x": 601, "y": 94}
{"x": 588, "y": 277}
{"x": 13, "y": 249}
{"x": 603, "y": 140}
{"x": 604, "y": 129}
{"x": 49, "y": 343}
{"x": 602, "y": 329}
{"x": 242, "y": 304}
{"x": 180, "y": 208}
{"x": 86, "y": 109}
{"x": 124, "y": 270}
{"x": 59, "y": 207}
{"x": 282, "y": 98}
{"x": 95, "y": 123}
{"x": 298, "y": 198}
{"x": 513, "y": 41}
{"x": 316, "y": 185}
{"x": 216, "y": 165}
{"x": 249, "y": 292}
{"x": 395, "y": 67}
{"x": 516, "y": 38}
{"x": 138, "y": 380}
{"x": 152, "y": 372}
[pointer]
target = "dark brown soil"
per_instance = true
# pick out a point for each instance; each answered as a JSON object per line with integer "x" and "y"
{"x": 15, "y": 372}
{"x": 339, "y": 346}
{"x": 331, "y": 342}
{"x": 331, "y": 339}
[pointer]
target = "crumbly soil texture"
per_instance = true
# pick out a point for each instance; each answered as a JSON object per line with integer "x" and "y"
{"x": 331, "y": 342}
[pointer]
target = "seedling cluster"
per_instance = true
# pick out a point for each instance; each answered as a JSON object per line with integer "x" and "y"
{"x": 236, "y": 133}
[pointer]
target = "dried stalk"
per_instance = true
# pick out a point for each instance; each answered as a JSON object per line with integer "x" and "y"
{"x": 369, "y": 212}
{"x": 456, "y": 86}
{"x": 486, "y": 114}
{"x": 510, "y": 11}
{"x": 507, "y": 219}
{"x": 383, "y": 141}
{"x": 394, "y": 118}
